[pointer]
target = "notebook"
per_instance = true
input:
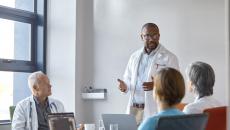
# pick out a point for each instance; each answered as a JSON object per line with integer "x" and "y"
{"x": 61, "y": 121}
{"x": 124, "y": 121}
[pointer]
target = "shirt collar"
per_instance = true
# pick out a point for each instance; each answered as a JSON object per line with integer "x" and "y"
{"x": 168, "y": 109}
{"x": 153, "y": 51}
{"x": 198, "y": 99}
{"x": 38, "y": 103}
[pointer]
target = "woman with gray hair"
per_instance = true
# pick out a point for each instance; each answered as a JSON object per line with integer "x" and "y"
{"x": 201, "y": 79}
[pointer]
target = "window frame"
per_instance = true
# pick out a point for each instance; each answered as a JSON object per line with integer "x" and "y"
{"x": 38, "y": 22}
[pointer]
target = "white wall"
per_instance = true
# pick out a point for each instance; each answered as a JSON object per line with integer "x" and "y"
{"x": 90, "y": 41}
{"x": 228, "y": 39}
{"x": 61, "y": 50}
{"x": 84, "y": 59}
{"x": 193, "y": 30}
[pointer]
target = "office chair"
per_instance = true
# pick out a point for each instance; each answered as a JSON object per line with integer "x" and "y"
{"x": 182, "y": 122}
{"x": 217, "y": 118}
{"x": 11, "y": 109}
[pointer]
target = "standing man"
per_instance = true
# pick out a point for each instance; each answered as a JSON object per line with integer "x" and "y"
{"x": 139, "y": 73}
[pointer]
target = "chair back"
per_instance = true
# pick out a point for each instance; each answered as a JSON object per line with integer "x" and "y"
{"x": 183, "y": 122}
{"x": 217, "y": 118}
{"x": 11, "y": 109}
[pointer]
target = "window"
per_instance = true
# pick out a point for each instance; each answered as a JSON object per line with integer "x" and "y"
{"x": 11, "y": 35}
{"x": 22, "y": 48}
{"x": 27, "y": 5}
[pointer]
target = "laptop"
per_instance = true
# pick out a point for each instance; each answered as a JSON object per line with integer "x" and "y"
{"x": 124, "y": 121}
{"x": 61, "y": 121}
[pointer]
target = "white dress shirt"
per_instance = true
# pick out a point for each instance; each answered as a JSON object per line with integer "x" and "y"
{"x": 142, "y": 75}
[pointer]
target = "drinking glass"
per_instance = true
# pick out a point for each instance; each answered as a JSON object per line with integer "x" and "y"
{"x": 101, "y": 128}
{"x": 101, "y": 125}
{"x": 113, "y": 127}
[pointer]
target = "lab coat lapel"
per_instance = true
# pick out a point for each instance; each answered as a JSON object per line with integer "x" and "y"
{"x": 136, "y": 65}
{"x": 33, "y": 110}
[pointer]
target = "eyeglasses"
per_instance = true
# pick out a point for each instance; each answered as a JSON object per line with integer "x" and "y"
{"x": 152, "y": 36}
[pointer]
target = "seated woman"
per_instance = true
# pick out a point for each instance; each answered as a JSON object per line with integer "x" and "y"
{"x": 201, "y": 79}
{"x": 169, "y": 89}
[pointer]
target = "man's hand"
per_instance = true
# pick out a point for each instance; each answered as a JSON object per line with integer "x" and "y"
{"x": 147, "y": 86}
{"x": 81, "y": 127}
{"x": 122, "y": 86}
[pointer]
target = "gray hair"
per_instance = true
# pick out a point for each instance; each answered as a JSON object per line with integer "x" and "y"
{"x": 202, "y": 77}
{"x": 33, "y": 79}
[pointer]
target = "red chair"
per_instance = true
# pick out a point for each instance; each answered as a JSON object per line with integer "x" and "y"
{"x": 217, "y": 119}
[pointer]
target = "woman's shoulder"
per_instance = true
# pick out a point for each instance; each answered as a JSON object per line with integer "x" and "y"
{"x": 149, "y": 123}
{"x": 192, "y": 108}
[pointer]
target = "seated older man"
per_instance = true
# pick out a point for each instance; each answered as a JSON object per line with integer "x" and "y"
{"x": 31, "y": 113}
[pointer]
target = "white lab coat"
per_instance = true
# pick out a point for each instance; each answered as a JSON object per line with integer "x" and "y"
{"x": 200, "y": 104}
{"x": 25, "y": 114}
{"x": 162, "y": 58}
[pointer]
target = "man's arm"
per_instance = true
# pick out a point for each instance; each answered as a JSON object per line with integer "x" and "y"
{"x": 127, "y": 76}
{"x": 173, "y": 62}
{"x": 19, "y": 118}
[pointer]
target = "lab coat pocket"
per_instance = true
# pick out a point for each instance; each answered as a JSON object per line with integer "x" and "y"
{"x": 161, "y": 62}
{"x": 159, "y": 66}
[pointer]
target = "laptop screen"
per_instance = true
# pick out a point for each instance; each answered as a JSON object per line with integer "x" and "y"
{"x": 61, "y": 121}
{"x": 124, "y": 121}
